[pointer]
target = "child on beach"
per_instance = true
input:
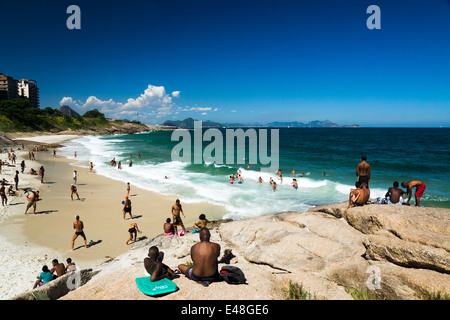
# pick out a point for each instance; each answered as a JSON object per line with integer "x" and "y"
{"x": 201, "y": 224}
{"x": 168, "y": 228}
{"x": 128, "y": 188}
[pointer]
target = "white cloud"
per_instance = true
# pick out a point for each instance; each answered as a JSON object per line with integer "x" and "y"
{"x": 154, "y": 101}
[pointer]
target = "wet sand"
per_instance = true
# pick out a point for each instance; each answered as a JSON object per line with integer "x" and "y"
{"x": 47, "y": 235}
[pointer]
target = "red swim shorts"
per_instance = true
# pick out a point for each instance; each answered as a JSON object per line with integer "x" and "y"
{"x": 420, "y": 190}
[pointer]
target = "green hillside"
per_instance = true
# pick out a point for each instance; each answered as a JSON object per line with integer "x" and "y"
{"x": 19, "y": 115}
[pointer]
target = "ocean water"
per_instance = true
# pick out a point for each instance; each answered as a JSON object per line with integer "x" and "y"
{"x": 395, "y": 154}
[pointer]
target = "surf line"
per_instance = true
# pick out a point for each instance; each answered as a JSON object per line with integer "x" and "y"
{"x": 214, "y": 151}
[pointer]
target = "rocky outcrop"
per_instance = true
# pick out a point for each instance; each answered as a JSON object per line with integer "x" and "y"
{"x": 59, "y": 287}
{"x": 393, "y": 252}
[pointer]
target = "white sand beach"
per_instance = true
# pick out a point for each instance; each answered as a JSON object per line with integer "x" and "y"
{"x": 31, "y": 241}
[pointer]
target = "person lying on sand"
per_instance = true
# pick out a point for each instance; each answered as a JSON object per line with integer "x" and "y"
{"x": 154, "y": 266}
{"x": 204, "y": 257}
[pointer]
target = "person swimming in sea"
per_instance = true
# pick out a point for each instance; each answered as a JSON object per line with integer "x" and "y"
{"x": 294, "y": 184}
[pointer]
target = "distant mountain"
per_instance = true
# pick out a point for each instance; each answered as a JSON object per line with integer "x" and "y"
{"x": 68, "y": 111}
{"x": 189, "y": 124}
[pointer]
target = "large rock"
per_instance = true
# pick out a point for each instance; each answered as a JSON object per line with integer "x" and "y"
{"x": 394, "y": 252}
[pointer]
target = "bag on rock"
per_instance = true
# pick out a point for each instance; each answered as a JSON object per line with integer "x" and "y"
{"x": 232, "y": 275}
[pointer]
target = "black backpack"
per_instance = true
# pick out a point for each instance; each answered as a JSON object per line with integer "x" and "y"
{"x": 232, "y": 275}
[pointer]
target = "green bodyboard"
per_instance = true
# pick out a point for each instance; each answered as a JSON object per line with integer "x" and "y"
{"x": 155, "y": 288}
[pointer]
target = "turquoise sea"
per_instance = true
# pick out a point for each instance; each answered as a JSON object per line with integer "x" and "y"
{"x": 395, "y": 154}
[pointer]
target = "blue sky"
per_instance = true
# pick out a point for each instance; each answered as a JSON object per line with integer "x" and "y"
{"x": 236, "y": 61}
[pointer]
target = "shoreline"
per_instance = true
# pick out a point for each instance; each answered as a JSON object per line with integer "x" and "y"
{"x": 33, "y": 241}
{"x": 50, "y": 231}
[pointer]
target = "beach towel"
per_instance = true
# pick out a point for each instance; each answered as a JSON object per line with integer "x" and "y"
{"x": 155, "y": 288}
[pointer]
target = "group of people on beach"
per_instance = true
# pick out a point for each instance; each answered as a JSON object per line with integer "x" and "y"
{"x": 204, "y": 267}
{"x": 58, "y": 270}
{"x": 205, "y": 253}
{"x": 361, "y": 194}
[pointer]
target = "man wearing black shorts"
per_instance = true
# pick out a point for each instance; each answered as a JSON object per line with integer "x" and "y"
{"x": 363, "y": 171}
{"x": 127, "y": 207}
{"x": 78, "y": 226}
{"x": 176, "y": 210}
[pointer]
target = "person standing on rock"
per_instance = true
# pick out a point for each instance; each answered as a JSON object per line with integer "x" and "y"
{"x": 363, "y": 171}
{"x": 420, "y": 189}
{"x": 176, "y": 210}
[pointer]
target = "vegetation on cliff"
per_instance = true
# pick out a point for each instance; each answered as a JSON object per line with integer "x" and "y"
{"x": 20, "y": 115}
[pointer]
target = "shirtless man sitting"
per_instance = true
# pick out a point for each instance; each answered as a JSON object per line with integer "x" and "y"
{"x": 394, "y": 194}
{"x": 420, "y": 189}
{"x": 59, "y": 268}
{"x": 363, "y": 171}
{"x": 154, "y": 266}
{"x": 356, "y": 196}
{"x": 204, "y": 257}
